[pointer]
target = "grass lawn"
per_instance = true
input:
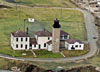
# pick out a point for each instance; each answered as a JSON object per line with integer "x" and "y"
{"x": 28, "y": 54}
{"x": 71, "y": 21}
{"x": 10, "y": 21}
{"x": 47, "y": 54}
{"x": 74, "y": 53}
{"x": 9, "y": 51}
{"x": 44, "y": 3}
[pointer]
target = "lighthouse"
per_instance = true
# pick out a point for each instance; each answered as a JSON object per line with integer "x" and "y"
{"x": 56, "y": 36}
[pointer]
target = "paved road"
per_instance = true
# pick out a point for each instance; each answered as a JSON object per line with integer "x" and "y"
{"x": 91, "y": 32}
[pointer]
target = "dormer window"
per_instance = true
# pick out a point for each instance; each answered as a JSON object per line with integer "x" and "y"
{"x": 65, "y": 37}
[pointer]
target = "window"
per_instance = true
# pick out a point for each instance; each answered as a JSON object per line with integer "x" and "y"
{"x": 34, "y": 45}
{"x": 16, "y": 45}
{"x": 44, "y": 44}
{"x": 30, "y": 45}
{"x": 76, "y": 46}
{"x": 48, "y": 38}
{"x": 26, "y": 39}
{"x": 25, "y": 46}
{"x": 17, "y": 39}
{"x": 21, "y": 39}
{"x": 61, "y": 37}
{"x": 65, "y": 37}
{"x": 21, "y": 45}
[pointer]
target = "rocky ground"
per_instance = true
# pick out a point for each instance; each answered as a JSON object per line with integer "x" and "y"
{"x": 25, "y": 67}
{"x": 32, "y": 68}
{"x": 20, "y": 66}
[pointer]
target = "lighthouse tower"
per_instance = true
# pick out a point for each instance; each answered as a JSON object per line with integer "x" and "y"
{"x": 56, "y": 36}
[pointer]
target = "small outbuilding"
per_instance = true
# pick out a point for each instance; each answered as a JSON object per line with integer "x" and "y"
{"x": 71, "y": 44}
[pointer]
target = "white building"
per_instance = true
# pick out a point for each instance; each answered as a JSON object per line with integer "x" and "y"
{"x": 71, "y": 44}
{"x": 42, "y": 37}
{"x": 43, "y": 40}
{"x": 19, "y": 40}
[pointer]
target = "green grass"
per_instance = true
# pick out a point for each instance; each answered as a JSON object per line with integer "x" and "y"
{"x": 45, "y": 3}
{"x": 20, "y": 54}
{"x": 74, "y": 53}
{"x": 47, "y": 54}
{"x": 72, "y": 21}
{"x": 10, "y": 21}
{"x": 9, "y": 51}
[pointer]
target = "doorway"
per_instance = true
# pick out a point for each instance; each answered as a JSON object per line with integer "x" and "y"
{"x": 25, "y": 46}
{"x": 72, "y": 48}
{"x": 39, "y": 46}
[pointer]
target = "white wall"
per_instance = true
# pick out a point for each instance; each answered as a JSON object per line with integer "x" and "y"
{"x": 33, "y": 47}
{"x": 12, "y": 40}
{"x": 49, "y": 47}
{"x": 19, "y": 42}
{"x": 98, "y": 2}
{"x": 42, "y": 40}
{"x": 69, "y": 46}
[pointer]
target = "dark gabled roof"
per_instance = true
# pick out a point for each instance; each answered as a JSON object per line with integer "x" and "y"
{"x": 47, "y": 33}
{"x": 50, "y": 42}
{"x": 43, "y": 33}
{"x": 20, "y": 33}
{"x": 63, "y": 33}
{"x": 72, "y": 41}
{"x": 33, "y": 41}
